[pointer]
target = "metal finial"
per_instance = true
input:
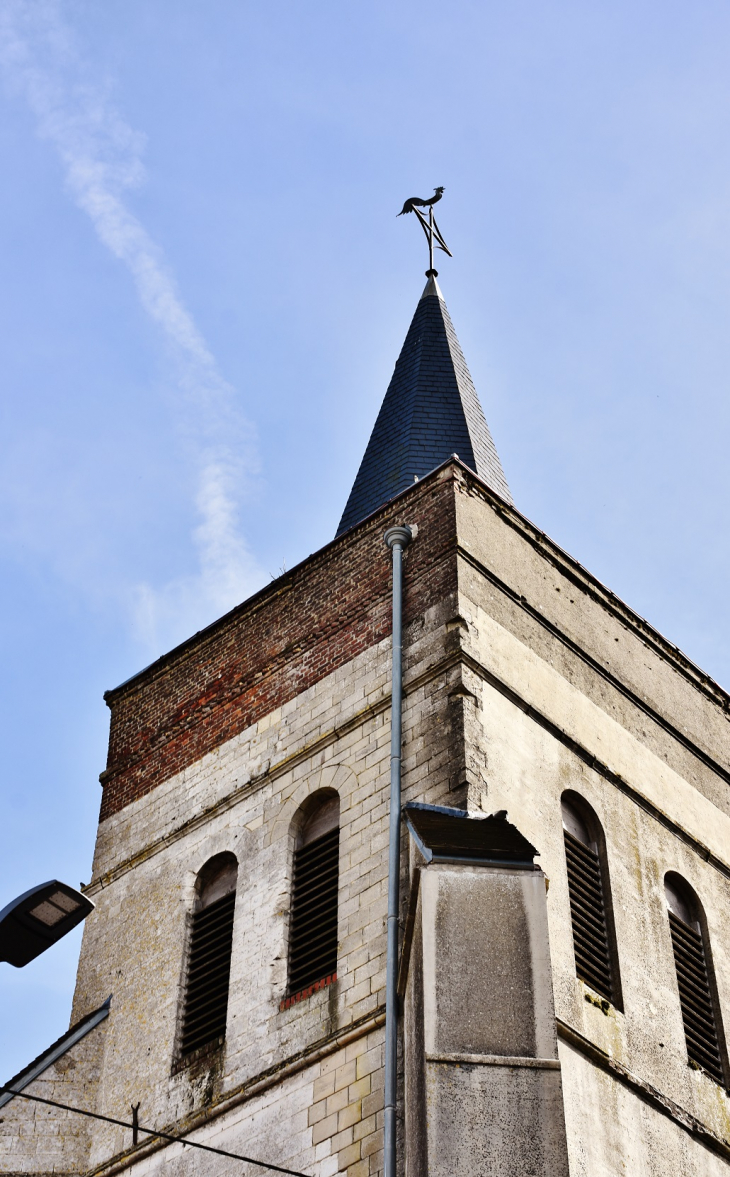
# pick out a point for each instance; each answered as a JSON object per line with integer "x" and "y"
{"x": 414, "y": 205}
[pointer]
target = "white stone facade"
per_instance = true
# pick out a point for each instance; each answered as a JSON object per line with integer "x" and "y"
{"x": 530, "y": 679}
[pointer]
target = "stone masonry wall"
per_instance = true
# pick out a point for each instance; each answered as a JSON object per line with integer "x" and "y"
{"x": 244, "y": 797}
{"x": 551, "y": 720}
{"x": 37, "y": 1139}
{"x": 267, "y": 651}
{"x": 592, "y": 639}
{"x": 514, "y": 692}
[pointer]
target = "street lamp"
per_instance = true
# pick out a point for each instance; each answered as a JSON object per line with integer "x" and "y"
{"x": 38, "y": 918}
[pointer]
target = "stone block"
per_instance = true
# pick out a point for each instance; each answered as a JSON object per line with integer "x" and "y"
{"x": 348, "y": 1156}
{"x": 324, "y": 1128}
{"x": 349, "y": 1115}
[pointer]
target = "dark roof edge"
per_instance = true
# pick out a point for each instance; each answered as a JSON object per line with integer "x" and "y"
{"x": 446, "y": 810}
{"x": 54, "y": 1052}
{"x": 522, "y": 852}
{"x": 540, "y": 540}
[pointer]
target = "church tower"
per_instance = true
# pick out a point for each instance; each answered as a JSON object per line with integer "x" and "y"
{"x": 563, "y": 967}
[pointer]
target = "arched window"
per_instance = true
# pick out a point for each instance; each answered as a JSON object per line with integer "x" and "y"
{"x": 702, "y": 1027}
{"x": 596, "y": 960}
{"x": 313, "y": 928}
{"x": 209, "y": 957}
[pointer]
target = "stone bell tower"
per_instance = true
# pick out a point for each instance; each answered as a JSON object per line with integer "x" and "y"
{"x": 563, "y": 945}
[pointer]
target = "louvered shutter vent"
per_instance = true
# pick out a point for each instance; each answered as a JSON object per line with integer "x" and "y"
{"x": 313, "y": 943}
{"x": 209, "y": 970}
{"x": 695, "y": 997}
{"x": 588, "y": 917}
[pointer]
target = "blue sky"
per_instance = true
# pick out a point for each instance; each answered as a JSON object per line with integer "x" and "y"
{"x": 205, "y": 289}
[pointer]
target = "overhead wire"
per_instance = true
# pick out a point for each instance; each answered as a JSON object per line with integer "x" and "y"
{"x": 221, "y": 1152}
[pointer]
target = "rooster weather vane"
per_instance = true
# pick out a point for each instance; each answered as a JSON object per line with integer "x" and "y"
{"x": 433, "y": 234}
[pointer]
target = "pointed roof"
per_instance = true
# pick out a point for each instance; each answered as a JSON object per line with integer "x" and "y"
{"x": 431, "y": 411}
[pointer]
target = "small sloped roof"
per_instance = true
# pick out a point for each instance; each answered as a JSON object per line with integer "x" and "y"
{"x": 54, "y": 1052}
{"x": 431, "y": 411}
{"x": 444, "y": 834}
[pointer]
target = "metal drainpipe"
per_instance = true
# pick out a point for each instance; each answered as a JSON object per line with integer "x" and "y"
{"x": 397, "y": 538}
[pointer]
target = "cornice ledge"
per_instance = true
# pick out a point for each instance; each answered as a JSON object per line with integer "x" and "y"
{"x": 645, "y": 1091}
{"x": 575, "y": 571}
{"x": 596, "y": 666}
{"x": 245, "y": 1091}
{"x": 592, "y": 761}
{"x": 272, "y": 772}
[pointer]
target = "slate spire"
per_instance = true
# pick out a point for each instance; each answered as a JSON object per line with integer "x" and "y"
{"x": 431, "y": 411}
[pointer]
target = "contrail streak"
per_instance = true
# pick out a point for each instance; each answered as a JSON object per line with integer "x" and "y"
{"x": 101, "y": 157}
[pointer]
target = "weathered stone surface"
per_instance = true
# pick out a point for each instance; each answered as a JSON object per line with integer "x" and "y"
{"x": 524, "y": 677}
{"x": 483, "y": 1089}
{"x": 504, "y": 1121}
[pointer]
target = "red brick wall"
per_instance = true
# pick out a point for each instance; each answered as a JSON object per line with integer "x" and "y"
{"x": 270, "y": 649}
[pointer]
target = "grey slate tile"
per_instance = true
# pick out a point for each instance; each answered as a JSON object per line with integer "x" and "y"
{"x": 430, "y": 411}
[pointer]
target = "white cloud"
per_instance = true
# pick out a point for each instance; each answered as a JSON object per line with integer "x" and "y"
{"x": 101, "y": 157}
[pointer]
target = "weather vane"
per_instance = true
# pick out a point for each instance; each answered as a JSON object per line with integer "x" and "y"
{"x": 429, "y": 226}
